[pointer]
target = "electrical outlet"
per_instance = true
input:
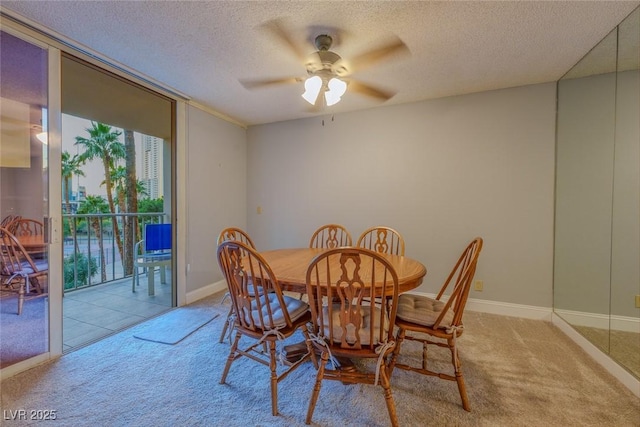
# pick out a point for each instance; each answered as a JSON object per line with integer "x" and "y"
{"x": 637, "y": 301}
{"x": 479, "y": 285}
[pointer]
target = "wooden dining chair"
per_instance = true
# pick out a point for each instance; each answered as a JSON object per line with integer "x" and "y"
{"x": 262, "y": 317}
{"x": 235, "y": 234}
{"x": 330, "y": 236}
{"x": 349, "y": 327}
{"x": 238, "y": 235}
{"x": 382, "y": 239}
{"x": 8, "y": 220}
{"x": 18, "y": 271}
{"x": 24, "y": 227}
{"x": 438, "y": 321}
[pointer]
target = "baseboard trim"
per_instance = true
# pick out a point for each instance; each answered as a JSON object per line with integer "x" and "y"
{"x": 631, "y": 382}
{"x": 205, "y": 291}
{"x": 504, "y": 308}
{"x": 25, "y": 365}
{"x": 600, "y": 321}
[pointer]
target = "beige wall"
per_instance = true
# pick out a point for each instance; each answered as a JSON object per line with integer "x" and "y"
{"x": 440, "y": 171}
{"x": 216, "y": 191}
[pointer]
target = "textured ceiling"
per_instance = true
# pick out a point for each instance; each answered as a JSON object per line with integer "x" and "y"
{"x": 202, "y": 48}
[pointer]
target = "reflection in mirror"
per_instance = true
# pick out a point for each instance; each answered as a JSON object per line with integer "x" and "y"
{"x": 597, "y": 236}
{"x": 24, "y": 333}
{"x": 624, "y": 336}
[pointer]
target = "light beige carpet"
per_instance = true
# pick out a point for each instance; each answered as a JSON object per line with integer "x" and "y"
{"x": 620, "y": 345}
{"x": 518, "y": 372}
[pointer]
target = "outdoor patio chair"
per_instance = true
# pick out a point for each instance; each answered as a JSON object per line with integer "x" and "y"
{"x": 151, "y": 252}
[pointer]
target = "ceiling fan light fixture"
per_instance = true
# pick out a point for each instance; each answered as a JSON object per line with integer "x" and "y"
{"x": 337, "y": 88}
{"x": 312, "y": 88}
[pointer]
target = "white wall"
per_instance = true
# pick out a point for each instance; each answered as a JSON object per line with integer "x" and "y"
{"x": 439, "y": 171}
{"x": 216, "y": 191}
{"x": 584, "y": 185}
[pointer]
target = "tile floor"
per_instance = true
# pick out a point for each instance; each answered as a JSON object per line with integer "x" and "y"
{"x": 94, "y": 313}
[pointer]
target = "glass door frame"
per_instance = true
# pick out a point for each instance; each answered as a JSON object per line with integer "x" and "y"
{"x": 56, "y": 44}
{"x": 53, "y": 192}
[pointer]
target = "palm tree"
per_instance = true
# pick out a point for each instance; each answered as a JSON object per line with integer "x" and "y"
{"x": 131, "y": 223}
{"x": 118, "y": 177}
{"x": 120, "y": 182}
{"x": 70, "y": 166}
{"x": 104, "y": 143}
{"x": 96, "y": 205}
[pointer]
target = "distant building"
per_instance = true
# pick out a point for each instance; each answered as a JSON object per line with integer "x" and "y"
{"x": 149, "y": 163}
{"x": 151, "y": 166}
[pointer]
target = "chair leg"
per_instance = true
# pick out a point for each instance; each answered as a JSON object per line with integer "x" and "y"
{"x": 425, "y": 355}
{"x": 230, "y": 359}
{"x": 388, "y": 397}
{"x": 225, "y": 327}
{"x": 316, "y": 388}
{"x": 151, "y": 278}
{"x": 274, "y": 378}
{"x": 459, "y": 378}
{"x": 21, "y": 297}
{"x": 310, "y": 347}
{"x": 135, "y": 276}
{"x": 396, "y": 351}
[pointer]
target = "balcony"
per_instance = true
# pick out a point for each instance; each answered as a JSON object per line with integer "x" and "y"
{"x": 100, "y": 310}
{"x": 98, "y": 298}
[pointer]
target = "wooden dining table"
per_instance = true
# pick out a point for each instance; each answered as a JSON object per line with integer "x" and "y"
{"x": 290, "y": 268}
{"x": 33, "y": 243}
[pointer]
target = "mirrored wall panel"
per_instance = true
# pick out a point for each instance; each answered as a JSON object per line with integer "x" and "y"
{"x": 597, "y": 235}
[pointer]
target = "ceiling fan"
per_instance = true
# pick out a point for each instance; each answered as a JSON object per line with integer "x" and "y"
{"x": 327, "y": 73}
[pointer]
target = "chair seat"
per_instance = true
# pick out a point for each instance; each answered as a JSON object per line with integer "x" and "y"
{"x": 155, "y": 257}
{"x": 365, "y": 330}
{"x": 41, "y": 265}
{"x": 422, "y": 310}
{"x": 294, "y": 306}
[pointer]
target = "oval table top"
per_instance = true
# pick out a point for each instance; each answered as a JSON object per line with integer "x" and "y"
{"x": 33, "y": 243}
{"x": 290, "y": 268}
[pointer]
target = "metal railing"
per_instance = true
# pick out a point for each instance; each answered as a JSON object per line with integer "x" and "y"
{"x": 94, "y": 252}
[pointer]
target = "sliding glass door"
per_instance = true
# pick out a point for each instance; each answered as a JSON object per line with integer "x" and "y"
{"x": 24, "y": 198}
{"x": 88, "y": 157}
{"x": 117, "y": 145}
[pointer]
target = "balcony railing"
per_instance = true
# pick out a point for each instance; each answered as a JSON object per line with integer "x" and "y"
{"x": 92, "y": 250}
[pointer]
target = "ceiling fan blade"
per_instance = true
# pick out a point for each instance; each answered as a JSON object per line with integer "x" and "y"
{"x": 257, "y": 84}
{"x": 372, "y": 57}
{"x": 277, "y": 28}
{"x": 368, "y": 90}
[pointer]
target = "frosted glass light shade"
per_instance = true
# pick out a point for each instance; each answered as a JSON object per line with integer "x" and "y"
{"x": 312, "y": 88}
{"x": 337, "y": 88}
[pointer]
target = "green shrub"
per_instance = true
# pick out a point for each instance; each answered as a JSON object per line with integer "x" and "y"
{"x": 86, "y": 268}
